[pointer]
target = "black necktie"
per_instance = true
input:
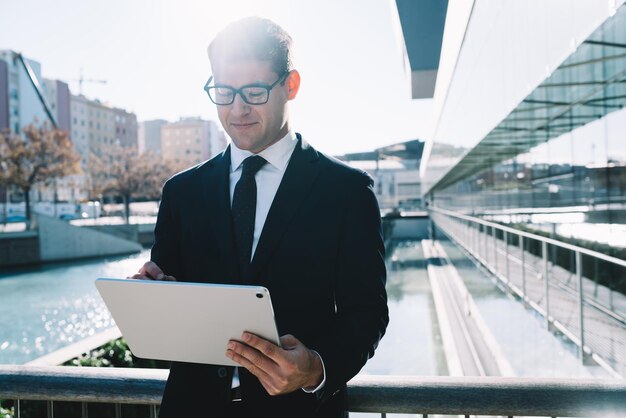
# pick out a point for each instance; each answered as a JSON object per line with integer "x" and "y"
{"x": 244, "y": 211}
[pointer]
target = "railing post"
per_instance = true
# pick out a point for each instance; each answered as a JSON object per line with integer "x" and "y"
{"x": 485, "y": 252}
{"x": 17, "y": 410}
{"x": 476, "y": 239}
{"x": 472, "y": 237}
{"x": 50, "y": 409}
{"x": 495, "y": 249}
{"x": 506, "y": 254}
{"x": 487, "y": 245}
{"x": 579, "y": 274}
{"x": 84, "y": 410}
{"x": 522, "y": 258}
{"x": 544, "y": 253}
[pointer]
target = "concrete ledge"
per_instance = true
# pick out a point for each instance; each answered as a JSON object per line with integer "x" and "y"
{"x": 65, "y": 354}
{"x": 19, "y": 248}
{"x": 59, "y": 240}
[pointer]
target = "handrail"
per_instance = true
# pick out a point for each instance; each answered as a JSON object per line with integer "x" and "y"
{"x": 603, "y": 342}
{"x": 530, "y": 235}
{"x": 382, "y": 394}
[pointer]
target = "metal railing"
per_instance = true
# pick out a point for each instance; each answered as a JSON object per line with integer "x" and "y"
{"x": 498, "y": 396}
{"x": 532, "y": 267}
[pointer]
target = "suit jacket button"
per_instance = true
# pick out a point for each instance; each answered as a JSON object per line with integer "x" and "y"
{"x": 221, "y": 372}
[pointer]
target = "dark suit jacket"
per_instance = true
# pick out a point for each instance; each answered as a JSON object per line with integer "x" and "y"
{"x": 321, "y": 255}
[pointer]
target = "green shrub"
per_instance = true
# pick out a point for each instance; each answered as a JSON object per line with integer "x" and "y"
{"x": 5, "y": 410}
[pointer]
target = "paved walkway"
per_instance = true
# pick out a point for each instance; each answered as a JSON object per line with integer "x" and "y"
{"x": 470, "y": 348}
{"x": 604, "y": 328}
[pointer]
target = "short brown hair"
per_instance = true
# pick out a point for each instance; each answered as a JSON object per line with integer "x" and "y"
{"x": 253, "y": 38}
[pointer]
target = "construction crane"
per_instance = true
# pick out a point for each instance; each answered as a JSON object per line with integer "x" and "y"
{"x": 82, "y": 80}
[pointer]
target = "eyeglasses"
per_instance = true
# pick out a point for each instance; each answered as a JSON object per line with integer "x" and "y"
{"x": 252, "y": 94}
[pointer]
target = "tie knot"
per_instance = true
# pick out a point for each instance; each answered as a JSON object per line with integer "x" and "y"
{"x": 252, "y": 165}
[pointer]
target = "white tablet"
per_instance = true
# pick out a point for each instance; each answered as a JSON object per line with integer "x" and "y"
{"x": 189, "y": 322}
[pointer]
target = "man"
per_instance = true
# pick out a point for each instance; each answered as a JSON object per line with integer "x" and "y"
{"x": 271, "y": 210}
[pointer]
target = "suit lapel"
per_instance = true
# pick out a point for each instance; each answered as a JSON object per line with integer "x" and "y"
{"x": 217, "y": 194}
{"x": 294, "y": 187}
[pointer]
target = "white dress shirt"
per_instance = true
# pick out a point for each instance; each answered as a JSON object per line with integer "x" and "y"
{"x": 268, "y": 180}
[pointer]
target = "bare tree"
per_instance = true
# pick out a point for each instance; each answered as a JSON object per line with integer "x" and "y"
{"x": 40, "y": 155}
{"x": 122, "y": 171}
{"x": 4, "y": 185}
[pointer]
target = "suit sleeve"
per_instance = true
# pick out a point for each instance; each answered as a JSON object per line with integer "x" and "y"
{"x": 166, "y": 249}
{"x": 360, "y": 297}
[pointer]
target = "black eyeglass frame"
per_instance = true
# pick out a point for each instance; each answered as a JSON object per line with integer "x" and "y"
{"x": 239, "y": 91}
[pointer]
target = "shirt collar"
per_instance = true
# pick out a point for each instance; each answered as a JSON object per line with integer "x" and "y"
{"x": 277, "y": 154}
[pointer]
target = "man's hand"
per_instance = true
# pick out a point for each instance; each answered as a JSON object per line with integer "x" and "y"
{"x": 150, "y": 271}
{"x": 280, "y": 370}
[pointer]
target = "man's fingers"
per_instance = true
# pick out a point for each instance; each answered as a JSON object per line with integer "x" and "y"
{"x": 255, "y": 362}
{"x": 254, "y": 356}
{"x": 267, "y": 381}
{"x": 153, "y": 270}
{"x": 248, "y": 364}
{"x": 150, "y": 271}
{"x": 139, "y": 276}
{"x": 268, "y": 349}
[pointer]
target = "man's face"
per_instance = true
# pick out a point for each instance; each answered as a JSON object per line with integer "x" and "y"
{"x": 253, "y": 127}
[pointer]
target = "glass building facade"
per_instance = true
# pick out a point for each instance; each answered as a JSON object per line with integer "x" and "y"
{"x": 542, "y": 137}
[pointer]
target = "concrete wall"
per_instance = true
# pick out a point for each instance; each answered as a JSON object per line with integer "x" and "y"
{"x": 415, "y": 228}
{"x": 19, "y": 248}
{"x": 401, "y": 228}
{"x": 141, "y": 233}
{"x": 59, "y": 240}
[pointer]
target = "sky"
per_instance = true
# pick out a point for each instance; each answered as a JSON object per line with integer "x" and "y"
{"x": 354, "y": 96}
